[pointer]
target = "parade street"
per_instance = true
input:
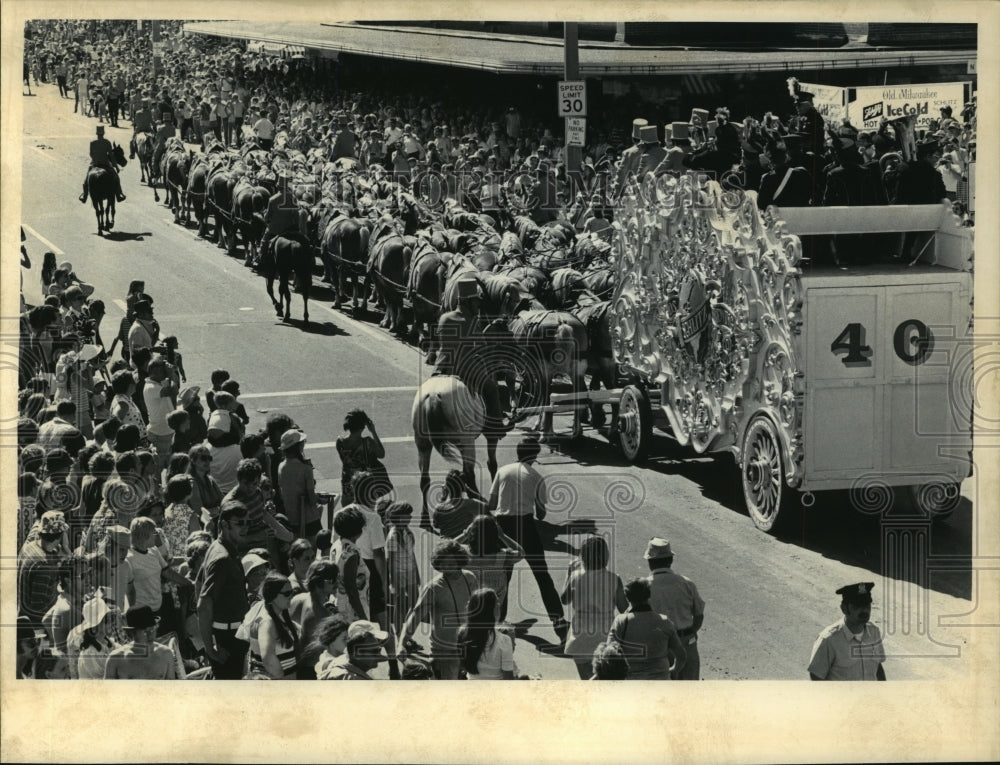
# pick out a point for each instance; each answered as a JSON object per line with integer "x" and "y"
{"x": 767, "y": 597}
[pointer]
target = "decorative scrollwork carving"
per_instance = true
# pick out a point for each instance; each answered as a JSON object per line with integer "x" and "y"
{"x": 708, "y": 297}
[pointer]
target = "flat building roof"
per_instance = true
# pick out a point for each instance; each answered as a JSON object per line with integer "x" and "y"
{"x": 516, "y": 54}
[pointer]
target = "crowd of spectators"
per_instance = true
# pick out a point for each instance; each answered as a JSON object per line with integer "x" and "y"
{"x": 217, "y": 90}
{"x": 158, "y": 537}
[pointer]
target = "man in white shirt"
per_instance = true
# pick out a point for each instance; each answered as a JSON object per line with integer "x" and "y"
{"x": 263, "y": 128}
{"x": 518, "y": 495}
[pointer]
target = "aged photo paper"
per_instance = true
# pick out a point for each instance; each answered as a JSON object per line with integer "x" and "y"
{"x": 714, "y": 721}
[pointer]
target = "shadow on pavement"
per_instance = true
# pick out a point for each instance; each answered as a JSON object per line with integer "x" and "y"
{"x": 327, "y": 328}
{"x": 126, "y": 236}
{"x": 898, "y": 542}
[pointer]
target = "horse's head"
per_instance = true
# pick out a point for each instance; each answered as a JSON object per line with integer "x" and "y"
{"x": 119, "y": 155}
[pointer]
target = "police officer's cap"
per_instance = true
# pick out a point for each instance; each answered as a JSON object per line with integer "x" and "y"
{"x": 100, "y": 130}
{"x": 861, "y": 592}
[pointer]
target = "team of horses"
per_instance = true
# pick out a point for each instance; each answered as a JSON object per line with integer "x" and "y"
{"x": 546, "y": 288}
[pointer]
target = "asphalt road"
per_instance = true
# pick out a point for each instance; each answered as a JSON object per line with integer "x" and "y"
{"x": 767, "y": 597}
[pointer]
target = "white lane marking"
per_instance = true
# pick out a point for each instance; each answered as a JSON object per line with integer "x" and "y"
{"x": 329, "y": 392}
{"x": 42, "y": 239}
{"x": 248, "y": 308}
{"x": 332, "y": 444}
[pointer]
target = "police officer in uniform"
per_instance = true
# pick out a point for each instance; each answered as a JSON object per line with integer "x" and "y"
{"x": 851, "y": 648}
{"x": 457, "y": 354}
{"x": 101, "y": 156}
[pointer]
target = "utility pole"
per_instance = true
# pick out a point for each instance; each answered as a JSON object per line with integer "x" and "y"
{"x": 157, "y": 62}
{"x": 571, "y": 62}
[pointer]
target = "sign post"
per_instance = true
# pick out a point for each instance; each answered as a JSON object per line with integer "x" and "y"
{"x": 576, "y": 131}
{"x": 157, "y": 49}
{"x": 572, "y": 95}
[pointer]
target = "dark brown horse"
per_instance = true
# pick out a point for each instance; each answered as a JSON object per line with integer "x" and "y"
{"x": 220, "y": 184}
{"x": 285, "y": 257}
{"x": 344, "y": 251}
{"x": 249, "y": 205}
{"x": 389, "y": 265}
{"x": 101, "y": 187}
{"x": 197, "y": 188}
{"x": 175, "y": 163}
{"x": 424, "y": 290}
{"x": 601, "y": 364}
{"x": 551, "y": 343}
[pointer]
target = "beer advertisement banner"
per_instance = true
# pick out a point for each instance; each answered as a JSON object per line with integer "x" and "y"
{"x": 871, "y": 104}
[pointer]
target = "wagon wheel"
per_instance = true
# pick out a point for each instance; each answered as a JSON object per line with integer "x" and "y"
{"x": 635, "y": 423}
{"x": 763, "y": 474}
{"x": 525, "y": 390}
{"x": 937, "y": 500}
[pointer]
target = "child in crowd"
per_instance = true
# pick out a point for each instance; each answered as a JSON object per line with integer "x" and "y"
{"x": 180, "y": 422}
{"x": 233, "y": 388}
{"x": 146, "y": 566}
{"x": 219, "y": 376}
{"x": 179, "y": 520}
{"x": 174, "y": 359}
{"x": 404, "y": 576}
{"x": 100, "y": 409}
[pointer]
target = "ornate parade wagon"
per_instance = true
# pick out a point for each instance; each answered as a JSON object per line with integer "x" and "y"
{"x": 814, "y": 378}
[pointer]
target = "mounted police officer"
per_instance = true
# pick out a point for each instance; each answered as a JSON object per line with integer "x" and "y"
{"x": 458, "y": 335}
{"x": 101, "y": 156}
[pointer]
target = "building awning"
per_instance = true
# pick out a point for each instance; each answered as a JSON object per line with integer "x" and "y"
{"x": 514, "y": 54}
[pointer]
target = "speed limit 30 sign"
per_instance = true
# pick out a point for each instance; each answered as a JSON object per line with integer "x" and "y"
{"x": 572, "y": 98}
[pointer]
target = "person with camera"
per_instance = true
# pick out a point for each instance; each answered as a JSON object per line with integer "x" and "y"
{"x": 357, "y": 451}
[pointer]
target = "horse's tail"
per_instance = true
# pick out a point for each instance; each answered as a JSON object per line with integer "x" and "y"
{"x": 364, "y": 237}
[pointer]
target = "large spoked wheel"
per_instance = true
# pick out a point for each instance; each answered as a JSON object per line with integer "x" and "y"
{"x": 764, "y": 476}
{"x": 635, "y": 423}
{"x": 937, "y": 500}
{"x": 524, "y": 390}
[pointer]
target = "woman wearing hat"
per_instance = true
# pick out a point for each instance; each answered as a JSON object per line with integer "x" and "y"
{"x": 92, "y": 642}
{"x": 297, "y": 484}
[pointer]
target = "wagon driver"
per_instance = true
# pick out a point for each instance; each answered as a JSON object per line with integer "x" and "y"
{"x": 457, "y": 335}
